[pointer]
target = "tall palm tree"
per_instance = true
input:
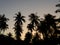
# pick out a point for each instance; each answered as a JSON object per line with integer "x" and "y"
{"x": 34, "y": 23}
{"x": 58, "y": 20}
{"x": 51, "y": 22}
{"x": 18, "y": 24}
{"x": 3, "y": 22}
{"x": 46, "y": 24}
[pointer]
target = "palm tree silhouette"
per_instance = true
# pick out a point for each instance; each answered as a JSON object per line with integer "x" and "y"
{"x": 30, "y": 27}
{"x": 18, "y": 24}
{"x": 46, "y": 24}
{"x": 58, "y": 20}
{"x": 50, "y": 22}
{"x": 3, "y": 24}
{"x": 34, "y": 21}
{"x": 58, "y": 10}
{"x": 42, "y": 28}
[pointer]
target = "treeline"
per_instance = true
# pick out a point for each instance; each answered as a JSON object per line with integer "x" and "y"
{"x": 49, "y": 27}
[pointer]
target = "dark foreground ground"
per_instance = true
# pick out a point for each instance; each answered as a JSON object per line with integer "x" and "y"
{"x": 5, "y": 40}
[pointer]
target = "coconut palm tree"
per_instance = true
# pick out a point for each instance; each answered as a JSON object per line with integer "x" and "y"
{"x": 3, "y": 24}
{"x": 34, "y": 21}
{"x": 58, "y": 20}
{"x": 47, "y": 24}
{"x": 58, "y": 10}
{"x": 30, "y": 27}
{"x": 50, "y": 22}
{"x": 18, "y": 24}
{"x": 42, "y": 28}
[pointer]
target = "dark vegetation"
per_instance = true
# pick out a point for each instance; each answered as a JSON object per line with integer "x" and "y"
{"x": 48, "y": 27}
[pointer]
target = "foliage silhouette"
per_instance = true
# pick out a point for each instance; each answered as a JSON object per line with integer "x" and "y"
{"x": 18, "y": 25}
{"x": 3, "y": 24}
{"x": 30, "y": 27}
{"x": 58, "y": 10}
{"x": 5, "y": 40}
{"x": 34, "y": 19}
{"x": 48, "y": 27}
{"x": 34, "y": 22}
{"x": 58, "y": 20}
{"x": 28, "y": 37}
{"x": 43, "y": 26}
{"x": 36, "y": 40}
{"x": 9, "y": 34}
{"x": 50, "y": 22}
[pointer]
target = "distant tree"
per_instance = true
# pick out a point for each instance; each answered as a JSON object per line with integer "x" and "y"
{"x": 9, "y": 34}
{"x": 35, "y": 40}
{"x": 3, "y": 22}
{"x": 18, "y": 25}
{"x": 47, "y": 24}
{"x": 30, "y": 27}
{"x": 6, "y": 40}
{"x": 42, "y": 28}
{"x": 58, "y": 20}
{"x": 50, "y": 22}
{"x": 58, "y": 10}
{"x": 28, "y": 37}
{"x": 33, "y": 24}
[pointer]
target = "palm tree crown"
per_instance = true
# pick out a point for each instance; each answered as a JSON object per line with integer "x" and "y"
{"x": 34, "y": 19}
{"x": 19, "y": 19}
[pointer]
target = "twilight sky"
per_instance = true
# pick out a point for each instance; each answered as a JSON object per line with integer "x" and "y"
{"x": 26, "y": 7}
